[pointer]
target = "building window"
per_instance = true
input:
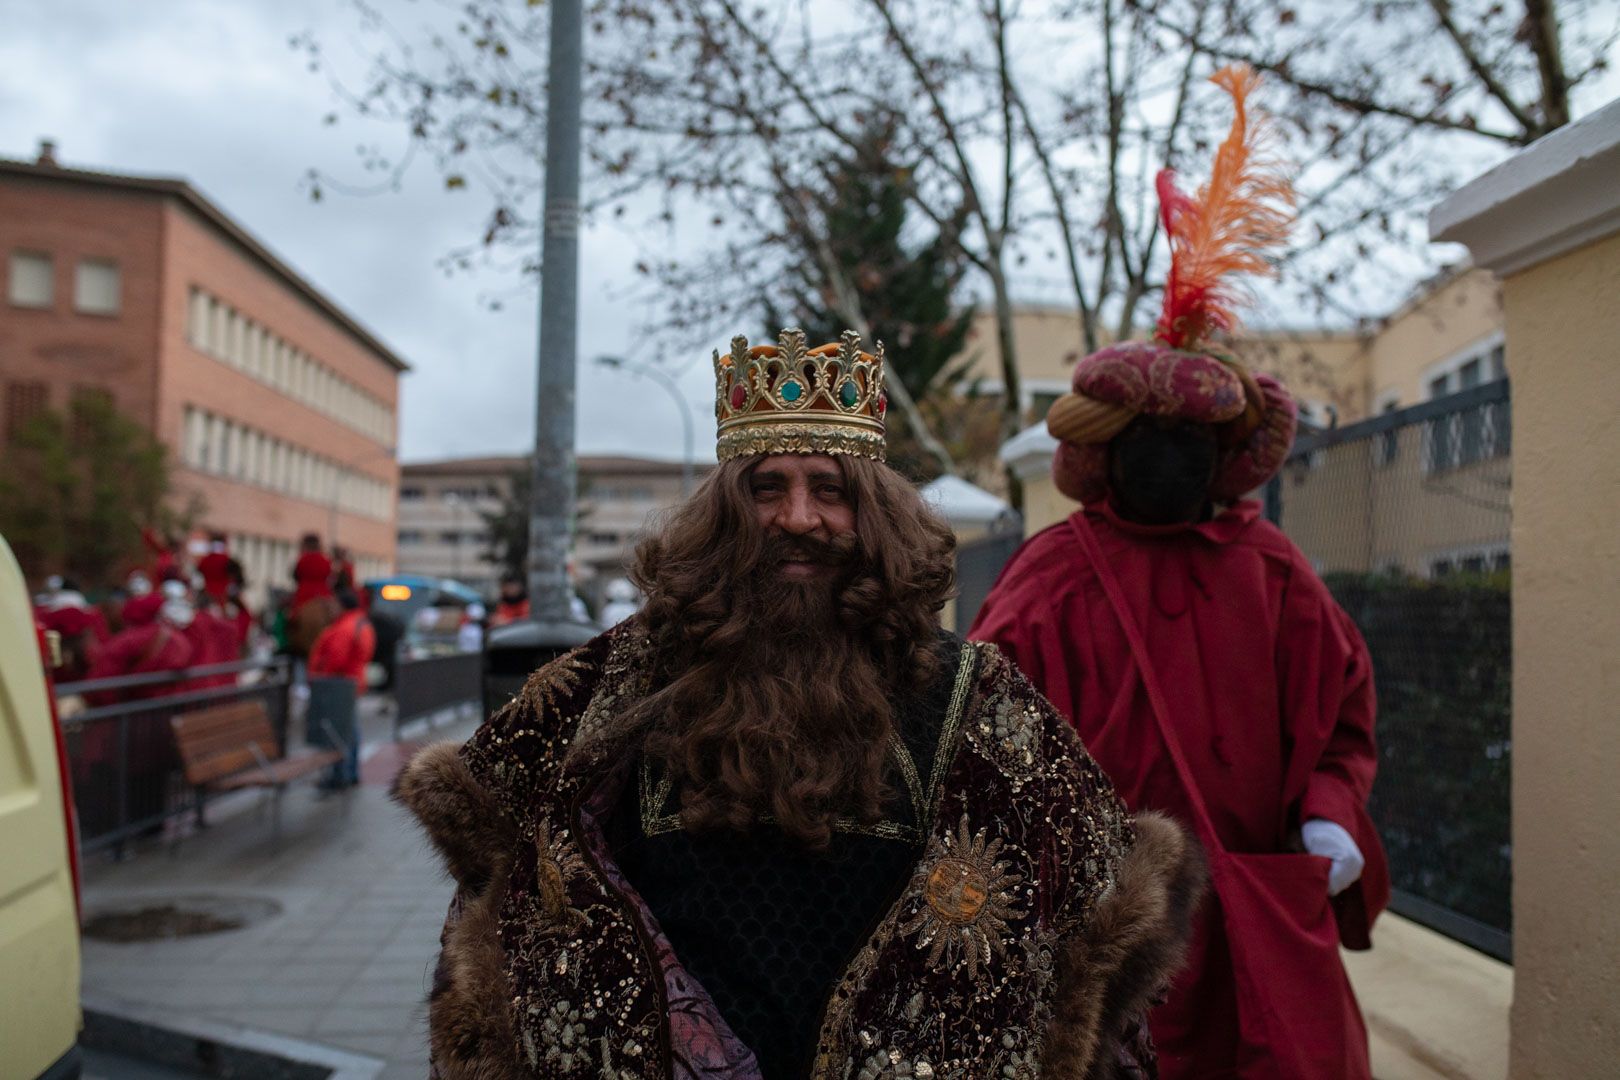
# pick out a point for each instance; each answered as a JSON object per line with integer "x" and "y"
{"x": 96, "y": 287}
{"x": 197, "y": 322}
{"x": 410, "y": 536}
{"x": 24, "y": 401}
{"x": 30, "y": 284}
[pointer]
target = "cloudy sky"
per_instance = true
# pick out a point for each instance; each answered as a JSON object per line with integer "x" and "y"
{"x": 210, "y": 91}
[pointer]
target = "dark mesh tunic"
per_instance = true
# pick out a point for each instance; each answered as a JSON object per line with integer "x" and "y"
{"x": 766, "y": 925}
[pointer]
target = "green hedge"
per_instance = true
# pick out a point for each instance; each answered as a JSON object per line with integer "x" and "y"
{"x": 1442, "y": 654}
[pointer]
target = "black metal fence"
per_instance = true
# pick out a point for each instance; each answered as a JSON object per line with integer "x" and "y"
{"x": 126, "y": 775}
{"x": 1407, "y": 517}
{"x": 427, "y": 686}
{"x": 978, "y": 564}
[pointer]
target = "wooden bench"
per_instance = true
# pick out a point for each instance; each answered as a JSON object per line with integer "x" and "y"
{"x": 231, "y": 747}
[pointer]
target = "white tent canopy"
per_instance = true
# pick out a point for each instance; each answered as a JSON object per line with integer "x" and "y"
{"x": 962, "y": 503}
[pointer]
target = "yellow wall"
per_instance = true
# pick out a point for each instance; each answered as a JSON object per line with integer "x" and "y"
{"x": 1355, "y": 371}
{"x": 1434, "y": 327}
{"x": 1044, "y": 504}
{"x": 1563, "y": 326}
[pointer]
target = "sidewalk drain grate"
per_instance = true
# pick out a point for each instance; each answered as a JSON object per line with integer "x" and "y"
{"x": 165, "y": 920}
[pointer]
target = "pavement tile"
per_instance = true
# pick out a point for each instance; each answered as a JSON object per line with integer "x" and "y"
{"x": 378, "y": 992}
{"x": 289, "y": 994}
{"x": 349, "y": 959}
{"x": 344, "y": 1019}
{"x": 298, "y": 1022}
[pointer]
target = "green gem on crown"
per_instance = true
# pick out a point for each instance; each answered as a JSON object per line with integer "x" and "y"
{"x": 792, "y": 391}
{"x": 849, "y": 395}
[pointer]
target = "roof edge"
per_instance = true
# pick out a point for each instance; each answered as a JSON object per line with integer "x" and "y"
{"x": 194, "y": 200}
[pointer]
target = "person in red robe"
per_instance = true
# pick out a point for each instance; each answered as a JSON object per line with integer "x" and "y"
{"x": 80, "y": 627}
{"x": 215, "y": 568}
{"x": 312, "y": 573}
{"x": 1168, "y": 585}
{"x": 154, "y": 639}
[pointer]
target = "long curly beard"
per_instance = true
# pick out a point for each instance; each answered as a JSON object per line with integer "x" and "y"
{"x": 785, "y": 711}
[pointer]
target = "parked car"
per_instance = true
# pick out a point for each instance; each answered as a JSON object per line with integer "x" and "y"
{"x": 39, "y": 871}
{"x": 427, "y": 613}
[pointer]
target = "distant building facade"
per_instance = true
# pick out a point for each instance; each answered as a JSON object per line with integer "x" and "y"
{"x": 278, "y": 408}
{"x": 443, "y": 509}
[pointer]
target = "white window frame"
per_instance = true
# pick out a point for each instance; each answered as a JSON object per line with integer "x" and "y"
{"x": 83, "y": 285}
{"x": 1480, "y": 350}
{"x": 32, "y": 300}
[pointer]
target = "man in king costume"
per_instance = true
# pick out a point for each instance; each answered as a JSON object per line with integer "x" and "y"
{"x": 1202, "y": 660}
{"x": 779, "y": 824}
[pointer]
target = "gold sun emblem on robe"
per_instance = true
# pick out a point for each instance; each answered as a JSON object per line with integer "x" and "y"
{"x": 967, "y": 900}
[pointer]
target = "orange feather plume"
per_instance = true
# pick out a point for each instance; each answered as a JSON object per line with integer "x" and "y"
{"x": 1245, "y": 210}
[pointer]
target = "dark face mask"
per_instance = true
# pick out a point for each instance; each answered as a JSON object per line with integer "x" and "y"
{"x": 1161, "y": 471}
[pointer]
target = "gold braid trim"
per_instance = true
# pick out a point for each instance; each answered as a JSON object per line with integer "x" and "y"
{"x": 796, "y": 437}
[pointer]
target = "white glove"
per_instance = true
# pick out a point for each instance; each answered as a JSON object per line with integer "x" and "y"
{"x": 1328, "y": 839}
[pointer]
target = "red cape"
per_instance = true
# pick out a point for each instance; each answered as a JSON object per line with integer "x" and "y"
{"x": 1248, "y": 645}
{"x": 313, "y": 573}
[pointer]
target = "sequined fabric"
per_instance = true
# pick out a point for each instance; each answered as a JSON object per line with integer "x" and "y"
{"x": 1022, "y": 837}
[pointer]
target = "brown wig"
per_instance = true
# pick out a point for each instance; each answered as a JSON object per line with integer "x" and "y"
{"x": 775, "y": 697}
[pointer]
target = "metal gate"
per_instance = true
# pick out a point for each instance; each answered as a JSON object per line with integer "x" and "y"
{"x": 1407, "y": 518}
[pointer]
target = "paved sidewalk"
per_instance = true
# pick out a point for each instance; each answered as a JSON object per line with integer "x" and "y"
{"x": 348, "y": 960}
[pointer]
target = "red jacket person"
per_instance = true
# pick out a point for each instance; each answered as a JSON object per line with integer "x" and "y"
{"x": 1204, "y": 663}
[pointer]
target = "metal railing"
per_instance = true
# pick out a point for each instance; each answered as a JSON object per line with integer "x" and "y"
{"x": 978, "y": 563}
{"x": 435, "y": 683}
{"x": 1407, "y": 518}
{"x": 126, "y": 775}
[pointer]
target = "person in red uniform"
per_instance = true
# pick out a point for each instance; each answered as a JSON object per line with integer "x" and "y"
{"x": 1168, "y": 585}
{"x": 141, "y": 603}
{"x": 312, "y": 573}
{"x": 154, "y": 639}
{"x": 346, "y": 646}
{"x": 80, "y": 626}
{"x": 215, "y": 568}
{"x": 514, "y": 602}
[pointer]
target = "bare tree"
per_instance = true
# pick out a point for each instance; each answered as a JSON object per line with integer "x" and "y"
{"x": 1029, "y": 130}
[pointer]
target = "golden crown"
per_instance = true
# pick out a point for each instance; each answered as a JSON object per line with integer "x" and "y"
{"x": 789, "y": 399}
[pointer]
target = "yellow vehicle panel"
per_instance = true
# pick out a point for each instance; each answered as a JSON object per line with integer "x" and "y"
{"x": 39, "y": 924}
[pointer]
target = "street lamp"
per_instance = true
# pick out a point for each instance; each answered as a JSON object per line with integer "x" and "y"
{"x": 662, "y": 378}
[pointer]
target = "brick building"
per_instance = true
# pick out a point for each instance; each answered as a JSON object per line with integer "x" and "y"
{"x": 278, "y": 408}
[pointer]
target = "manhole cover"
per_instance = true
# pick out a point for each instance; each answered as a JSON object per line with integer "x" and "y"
{"x": 163, "y": 920}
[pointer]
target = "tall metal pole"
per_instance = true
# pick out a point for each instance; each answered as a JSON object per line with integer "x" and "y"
{"x": 551, "y": 514}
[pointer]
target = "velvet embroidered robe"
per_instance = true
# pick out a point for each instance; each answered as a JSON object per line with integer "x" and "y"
{"x": 1031, "y": 937}
{"x": 1269, "y": 688}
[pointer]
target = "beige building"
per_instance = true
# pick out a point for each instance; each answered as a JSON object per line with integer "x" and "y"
{"x": 1440, "y": 497}
{"x": 1421, "y": 351}
{"x": 442, "y": 508}
{"x": 1547, "y": 223}
{"x": 279, "y": 408}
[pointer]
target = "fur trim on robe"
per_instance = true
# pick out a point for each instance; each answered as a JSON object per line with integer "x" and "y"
{"x": 1108, "y": 975}
{"x": 1124, "y": 958}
